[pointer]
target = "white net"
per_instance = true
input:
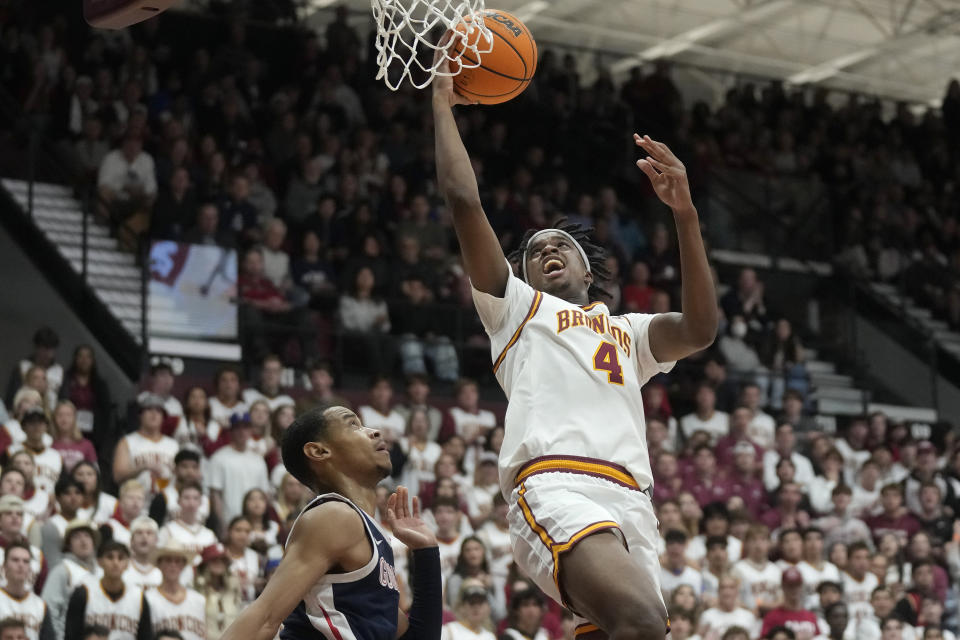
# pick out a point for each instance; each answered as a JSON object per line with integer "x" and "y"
{"x": 409, "y": 33}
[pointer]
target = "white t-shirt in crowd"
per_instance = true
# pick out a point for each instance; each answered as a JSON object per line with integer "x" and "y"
{"x": 670, "y": 581}
{"x": 469, "y": 426}
{"x": 761, "y": 429}
{"x": 391, "y": 425}
{"x": 803, "y": 477}
{"x": 456, "y": 631}
{"x": 717, "y": 425}
{"x": 812, "y": 577}
{"x": 221, "y": 412}
{"x": 497, "y": 541}
{"x": 714, "y": 622}
{"x": 856, "y": 593}
{"x": 234, "y": 473}
{"x": 697, "y": 549}
{"x": 252, "y": 395}
{"x": 758, "y": 583}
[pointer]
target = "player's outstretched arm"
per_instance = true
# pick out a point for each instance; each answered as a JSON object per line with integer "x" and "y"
{"x": 321, "y": 537}
{"x": 426, "y": 612}
{"x": 482, "y": 255}
{"x": 677, "y": 335}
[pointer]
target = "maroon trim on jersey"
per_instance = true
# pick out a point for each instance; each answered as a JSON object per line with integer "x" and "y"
{"x": 534, "y": 306}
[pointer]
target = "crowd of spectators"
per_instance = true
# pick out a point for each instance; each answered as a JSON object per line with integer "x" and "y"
{"x": 774, "y": 525}
{"x": 775, "y": 522}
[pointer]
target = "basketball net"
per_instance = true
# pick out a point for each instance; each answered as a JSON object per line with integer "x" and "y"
{"x": 407, "y": 41}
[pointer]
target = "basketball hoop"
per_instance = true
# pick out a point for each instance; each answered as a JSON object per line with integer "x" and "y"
{"x": 406, "y": 41}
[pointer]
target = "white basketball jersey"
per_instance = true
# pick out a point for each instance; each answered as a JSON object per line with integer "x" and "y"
{"x": 758, "y": 584}
{"x": 48, "y": 464}
{"x": 188, "y": 617}
{"x": 144, "y": 451}
{"x": 856, "y": 593}
{"x": 572, "y": 377}
{"x": 142, "y": 576}
{"x": 121, "y": 617}
{"x": 59, "y": 522}
{"x": 29, "y": 610}
{"x": 77, "y": 573}
{"x": 812, "y": 577}
{"x": 194, "y": 537}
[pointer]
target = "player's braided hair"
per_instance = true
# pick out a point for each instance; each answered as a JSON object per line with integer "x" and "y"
{"x": 595, "y": 254}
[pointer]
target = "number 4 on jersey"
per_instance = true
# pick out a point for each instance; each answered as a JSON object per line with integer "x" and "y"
{"x": 606, "y": 359}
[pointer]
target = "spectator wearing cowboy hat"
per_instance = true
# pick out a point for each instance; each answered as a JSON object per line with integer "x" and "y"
{"x": 173, "y": 606}
{"x": 220, "y": 589}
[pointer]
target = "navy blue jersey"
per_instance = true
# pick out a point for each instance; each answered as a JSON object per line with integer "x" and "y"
{"x": 359, "y": 605}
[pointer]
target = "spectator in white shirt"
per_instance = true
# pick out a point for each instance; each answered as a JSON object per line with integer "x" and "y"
{"x": 784, "y": 444}
{"x": 674, "y": 569}
{"x": 473, "y": 614}
{"x": 270, "y": 389}
{"x": 853, "y": 448}
{"x": 227, "y": 400}
{"x": 705, "y": 416}
{"x": 715, "y": 621}
{"x": 234, "y": 470}
{"x": 162, "y": 381}
{"x": 761, "y": 430}
{"x": 127, "y": 181}
{"x": 379, "y": 412}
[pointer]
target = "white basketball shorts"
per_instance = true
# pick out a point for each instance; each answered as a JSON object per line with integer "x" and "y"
{"x": 560, "y": 500}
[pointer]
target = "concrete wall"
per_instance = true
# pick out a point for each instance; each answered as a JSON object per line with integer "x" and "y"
{"x": 902, "y": 370}
{"x": 27, "y": 301}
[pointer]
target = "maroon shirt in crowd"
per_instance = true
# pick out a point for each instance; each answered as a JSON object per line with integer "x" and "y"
{"x": 750, "y": 489}
{"x": 903, "y": 526}
{"x": 803, "y": 623}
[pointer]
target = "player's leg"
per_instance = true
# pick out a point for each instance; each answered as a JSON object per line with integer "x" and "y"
{"x": 613, "y": 588}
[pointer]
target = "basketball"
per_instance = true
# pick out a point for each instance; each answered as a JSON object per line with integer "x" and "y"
{"x": 507, "y": 69}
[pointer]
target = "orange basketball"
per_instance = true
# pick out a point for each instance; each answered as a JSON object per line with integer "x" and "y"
{"x": 507, "y": 69}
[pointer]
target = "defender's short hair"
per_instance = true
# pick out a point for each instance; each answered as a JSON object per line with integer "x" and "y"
{"x": 309, "y": 427}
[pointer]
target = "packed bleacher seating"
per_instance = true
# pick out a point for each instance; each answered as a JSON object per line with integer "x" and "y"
{"x": 772, "y": 524}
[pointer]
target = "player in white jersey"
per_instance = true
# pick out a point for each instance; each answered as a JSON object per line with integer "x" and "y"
{"x": 574, "y": 460}
{"x": 108, "y": 601}
{"x": 146, "y": 454}
{"x": 337, "y": 579}
{"x": 174, "y": 607}
{"x": 17, "y": 600}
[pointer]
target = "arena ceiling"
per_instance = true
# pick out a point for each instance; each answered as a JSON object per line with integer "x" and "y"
{"x": 899, "y": 49}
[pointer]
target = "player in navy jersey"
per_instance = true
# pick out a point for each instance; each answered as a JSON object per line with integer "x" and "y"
{"x": 336, "y": 580}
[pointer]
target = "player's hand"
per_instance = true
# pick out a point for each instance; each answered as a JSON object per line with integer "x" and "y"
{"x": 405, "y": 522}
{"x": 667, "y": 175}
{"x": 443, "y": 88}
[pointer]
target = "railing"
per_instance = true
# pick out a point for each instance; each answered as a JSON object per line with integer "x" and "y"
{"x": 33, "y": 158}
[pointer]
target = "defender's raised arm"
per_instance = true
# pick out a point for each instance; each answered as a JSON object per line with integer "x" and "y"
{"x": 482, "y": 255}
